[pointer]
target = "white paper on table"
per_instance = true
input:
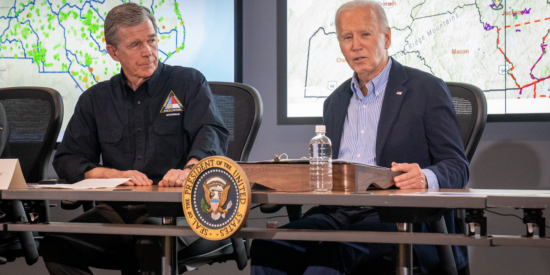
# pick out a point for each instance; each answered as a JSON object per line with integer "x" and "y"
{"x": 86, "y": 184}
{"x": 480, "y": 193}
{"x": 443, "y": 194}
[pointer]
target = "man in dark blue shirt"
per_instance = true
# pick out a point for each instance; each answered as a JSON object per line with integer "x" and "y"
{"x": 149, "y": 123}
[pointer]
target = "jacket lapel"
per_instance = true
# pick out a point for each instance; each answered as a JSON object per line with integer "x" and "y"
{"x": 339, "y": 111}
{"x": 393, "y": 98}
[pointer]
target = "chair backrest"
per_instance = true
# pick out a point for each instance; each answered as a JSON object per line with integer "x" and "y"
{"x": 4, "y": 129}
{"x": 241, "y": 109}
{"x": 471, "y": 112}
{"x": 34, "y": 115}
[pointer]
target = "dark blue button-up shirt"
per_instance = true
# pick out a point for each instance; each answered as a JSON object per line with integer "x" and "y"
{"x": 169, "y": 119}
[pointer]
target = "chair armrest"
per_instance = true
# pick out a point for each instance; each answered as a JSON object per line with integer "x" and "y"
{"x": 26, "y": 239}
{"x": 271, "y": 208}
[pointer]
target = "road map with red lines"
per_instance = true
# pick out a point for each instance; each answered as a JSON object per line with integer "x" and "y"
{"x": 543, "y": 51}
{"x": 499, "y": 46}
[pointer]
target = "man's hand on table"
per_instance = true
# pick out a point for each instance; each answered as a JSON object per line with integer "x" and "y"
{"x": 176, "y": 177}
{"x": 136, "y": 177}
{"x": 412, "y": 178}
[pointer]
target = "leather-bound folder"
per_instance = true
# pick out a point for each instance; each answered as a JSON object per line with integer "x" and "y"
{"x": 293, "y": 175}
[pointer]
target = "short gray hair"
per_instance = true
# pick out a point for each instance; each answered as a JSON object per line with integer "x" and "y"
{"x": 125, "y": 15}
{"x": 382, "y": 19}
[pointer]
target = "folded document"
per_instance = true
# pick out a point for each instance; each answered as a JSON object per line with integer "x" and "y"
{"x": 86, "y": 184}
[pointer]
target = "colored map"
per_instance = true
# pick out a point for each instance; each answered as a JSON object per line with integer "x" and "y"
{"x": 499, "y": 46}
{"x": 61, "y": 44}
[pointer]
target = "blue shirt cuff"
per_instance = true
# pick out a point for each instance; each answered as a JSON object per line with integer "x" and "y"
{"x": 432, "y": 179}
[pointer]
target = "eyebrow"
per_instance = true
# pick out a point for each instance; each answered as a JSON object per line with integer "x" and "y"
{"x": 360, "y": 31}
{"x": 138, "y": 41}
{"x": 345, "y": 33}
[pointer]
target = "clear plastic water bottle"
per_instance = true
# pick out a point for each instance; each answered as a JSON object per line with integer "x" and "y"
{"x": 320, "y": 161}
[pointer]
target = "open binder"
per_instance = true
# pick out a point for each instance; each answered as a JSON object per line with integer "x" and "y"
{"x": 293, "y": 175}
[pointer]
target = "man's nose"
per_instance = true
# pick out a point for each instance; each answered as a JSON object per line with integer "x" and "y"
{"x": 356, "y": 43}
{"x": 146, "y": 50}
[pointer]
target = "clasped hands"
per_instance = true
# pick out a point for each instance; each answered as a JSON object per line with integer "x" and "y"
{"x": 412, "y": 178}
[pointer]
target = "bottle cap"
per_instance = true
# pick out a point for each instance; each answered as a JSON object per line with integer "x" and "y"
{"x": 320, "y": 129}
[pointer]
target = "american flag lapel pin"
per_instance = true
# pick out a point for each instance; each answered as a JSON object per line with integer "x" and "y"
{"x": 399, "y": 93}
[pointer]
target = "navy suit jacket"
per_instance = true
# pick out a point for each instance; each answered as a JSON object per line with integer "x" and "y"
{"x": 417, "y": 125}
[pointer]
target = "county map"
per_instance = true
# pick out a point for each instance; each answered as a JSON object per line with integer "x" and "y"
{"x": 498, "y": 46}
{"x": 61, "y": 43}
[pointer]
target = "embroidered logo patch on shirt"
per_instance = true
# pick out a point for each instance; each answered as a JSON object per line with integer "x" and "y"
{"x": 172, "y": 104}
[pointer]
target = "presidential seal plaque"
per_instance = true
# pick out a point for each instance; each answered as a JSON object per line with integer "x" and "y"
{"x": 216, "y": 198}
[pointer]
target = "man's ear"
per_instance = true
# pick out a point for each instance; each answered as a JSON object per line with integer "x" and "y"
{"x": 112, "y": 52}
{"x": 387, "y": 35}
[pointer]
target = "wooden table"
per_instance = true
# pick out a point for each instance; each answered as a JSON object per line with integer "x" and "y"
{"x": 390, "y": 198}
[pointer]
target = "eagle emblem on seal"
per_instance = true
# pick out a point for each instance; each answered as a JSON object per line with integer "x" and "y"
{"x": 215, "y": 193}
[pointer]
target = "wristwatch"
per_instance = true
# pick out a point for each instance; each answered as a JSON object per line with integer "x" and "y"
{"x": 190, "y": 166}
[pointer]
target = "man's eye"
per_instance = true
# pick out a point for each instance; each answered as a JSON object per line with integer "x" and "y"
{"x": 366, "y": 34}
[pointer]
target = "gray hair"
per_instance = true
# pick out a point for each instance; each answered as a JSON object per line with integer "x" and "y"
{"x": 125, "y": 15}
{"x": 376, "y": 7}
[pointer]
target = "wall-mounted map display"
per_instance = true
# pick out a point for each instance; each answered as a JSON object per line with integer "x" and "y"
{"x": 60, "y": 43}
{"x": 499, "y": 46}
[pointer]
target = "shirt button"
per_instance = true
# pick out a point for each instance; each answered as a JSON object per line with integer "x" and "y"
{"x": 362, "y": 131}
{"x": 364, "y": 106}
{"x": 358, "y": 155}
{"x": 139, "y": 158}
{"x": 139, "y": 102}
{"x": 139, "y": 129}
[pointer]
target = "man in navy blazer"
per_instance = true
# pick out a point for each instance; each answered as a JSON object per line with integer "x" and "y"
{"x": 387, "y": 115}
{"x": 417, "y": 125}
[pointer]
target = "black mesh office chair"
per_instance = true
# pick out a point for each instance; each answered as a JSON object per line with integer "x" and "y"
{"x": 241, "y": 109}
{"x": 34, "y": 115}
{"x": 471, "y": 112}
{"x": 4, "y": 129}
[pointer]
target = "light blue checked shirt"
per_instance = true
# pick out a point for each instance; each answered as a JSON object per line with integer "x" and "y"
{"x": 361, "y": 125}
